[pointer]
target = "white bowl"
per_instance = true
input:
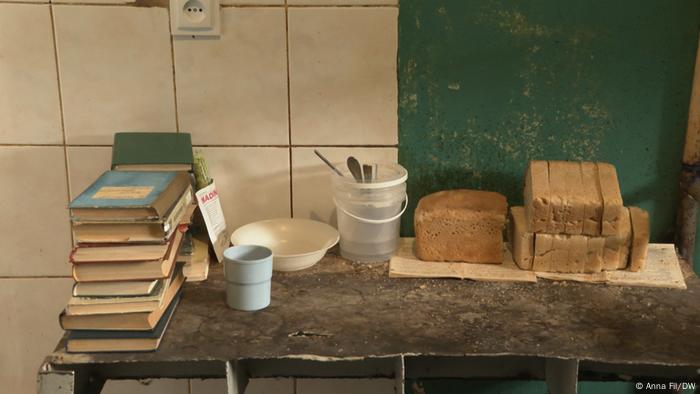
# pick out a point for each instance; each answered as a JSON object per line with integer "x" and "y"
{"x": 295, "y": 243}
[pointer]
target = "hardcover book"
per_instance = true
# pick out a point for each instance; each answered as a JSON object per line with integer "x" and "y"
{"x": 135, "y": 231}
{"x": 152, "y": 152}
{"x": 130, "y": 195}
{"x": 104, "y": 305}
{"x": 121, "y": 341}
{"x": 132, "y": 321}
{"x": 130, "y": 270}
{"x": 134, "y": 288}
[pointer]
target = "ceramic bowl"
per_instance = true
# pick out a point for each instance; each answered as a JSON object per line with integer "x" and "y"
{"x": 295, "y": 243}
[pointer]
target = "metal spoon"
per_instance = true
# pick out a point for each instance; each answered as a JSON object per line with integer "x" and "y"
{"x": 355, "y": 169}
{"x": 328, "y": 163}
{"x": 367, "y": 173}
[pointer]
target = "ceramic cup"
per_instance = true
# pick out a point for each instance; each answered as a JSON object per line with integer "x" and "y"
{"x": 248, "y": 274}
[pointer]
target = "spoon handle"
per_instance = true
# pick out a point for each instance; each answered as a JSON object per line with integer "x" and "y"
{"x": 328, "y": 163}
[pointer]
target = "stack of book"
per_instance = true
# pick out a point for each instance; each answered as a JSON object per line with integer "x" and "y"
{"x": 168, "y": 152}
{"x": 128, "y": 228}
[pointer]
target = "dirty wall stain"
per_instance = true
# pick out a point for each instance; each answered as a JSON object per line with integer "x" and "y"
{"x": 485, "y": 86}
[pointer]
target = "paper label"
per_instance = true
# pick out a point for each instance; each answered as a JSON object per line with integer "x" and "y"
{"x": 122, "y": 192}
{"x": 210, "y": 206}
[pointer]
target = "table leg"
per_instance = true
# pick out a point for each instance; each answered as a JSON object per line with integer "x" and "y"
{"x": 236, "y": 377}
{"x": 399, "y": 375}
{"x": 52, "y": 381}
{"x": 561, "y": 375}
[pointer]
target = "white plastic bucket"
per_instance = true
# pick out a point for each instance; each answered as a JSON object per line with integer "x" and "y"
{"x": 369, "y": 214}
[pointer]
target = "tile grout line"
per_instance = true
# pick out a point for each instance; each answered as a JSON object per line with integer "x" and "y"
{"x": 60, "y": 107}
{"x": 172, "y": 59}
{"x": 5, "y": 145}
{"x": 135, "y": 5}
{"x": 289, "y": 110}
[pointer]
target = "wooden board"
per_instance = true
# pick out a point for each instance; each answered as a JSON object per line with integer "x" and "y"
{"x": 406, "y": 265}
{"x": 662, "y": 269}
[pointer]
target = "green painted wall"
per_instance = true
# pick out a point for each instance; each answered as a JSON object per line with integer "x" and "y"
{"x": 487, "y": 85}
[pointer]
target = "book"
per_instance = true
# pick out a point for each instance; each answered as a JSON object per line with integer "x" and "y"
{"x": 131, "y": 288}
{"x": 128, "y": 252}
{"x": 186, "y": 250}
{"x": 103, "y": 305}
{"x": 135, "y": 321}
{"x": 129, "y": 196}
{"x": 152, "y": 152}
{"x": 130, "y": 270}
{"x": 197, "y": 269}
{"x": 121, "y": 341}
{"x": 158, "y": 231}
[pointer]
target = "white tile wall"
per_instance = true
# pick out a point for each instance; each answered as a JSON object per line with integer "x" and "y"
{"x": 117, "y": 69}
{"x": 253, "y": 182}
{"x": 342, "y": 73}
{"x": 36, "y": 234}
{"x": 85, "y": 164}
{"x": 250, "y": 109}
{"x": 29, "y": 328}
{"x": 342, "y": 2}
{"x": 25, "y": 116}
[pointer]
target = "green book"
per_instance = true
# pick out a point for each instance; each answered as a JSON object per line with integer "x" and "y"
{"x": 152, "y": 152}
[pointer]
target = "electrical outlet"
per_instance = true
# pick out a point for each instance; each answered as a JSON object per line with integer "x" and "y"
{"x": 195, "y": 17}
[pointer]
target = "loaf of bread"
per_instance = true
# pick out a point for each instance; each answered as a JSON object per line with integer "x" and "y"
{"x": 461, "y": 225}
{"x": 640, "y": 238}
{"x": 575, "y": 212}
{"x": 537, "y": 202}
{"x": 522, "y": 242}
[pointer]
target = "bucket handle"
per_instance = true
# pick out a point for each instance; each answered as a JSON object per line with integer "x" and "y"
{"x": 374, "y": 221}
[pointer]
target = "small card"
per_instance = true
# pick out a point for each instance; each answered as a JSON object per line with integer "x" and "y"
{"x": 122, "y": 192}
{"x": 210, "y": 206}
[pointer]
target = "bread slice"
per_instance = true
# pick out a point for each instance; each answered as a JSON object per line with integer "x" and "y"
{"x": 574, "y": 197}
{"x": 613, "y": 209}
{"x": 594, "y": 262}
{"x": 537, "y": 196}
{"x": 544, "y": 246}
{"x": 593, "y": 200}
{"x": 461, "y": 225}
{"x": 560, "y": 253}
{"x": 522, "y": 242}
{"x": 578, "y": 253}
{"x": 640, "y": 238}
{"x": 614, "y": 255}
{"x": 560, "y": 211}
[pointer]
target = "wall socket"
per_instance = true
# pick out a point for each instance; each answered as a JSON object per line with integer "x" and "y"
{"x": 192, "y": 18}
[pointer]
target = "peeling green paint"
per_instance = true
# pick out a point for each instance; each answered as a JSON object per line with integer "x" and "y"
{"x": 487, "y": 85}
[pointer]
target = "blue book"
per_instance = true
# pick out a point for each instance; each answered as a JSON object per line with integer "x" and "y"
{"x": 130, "y": 195}
{"x": 85, "y": 341}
